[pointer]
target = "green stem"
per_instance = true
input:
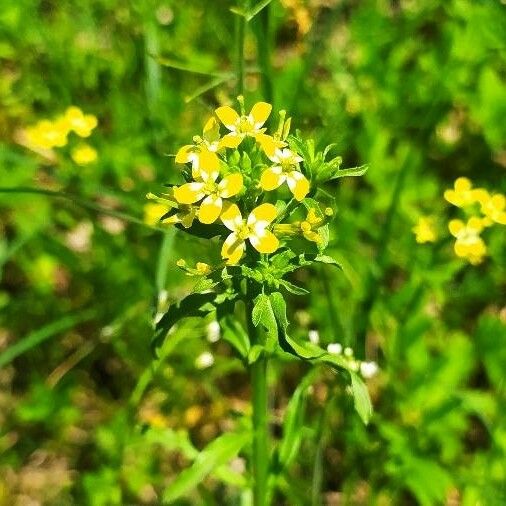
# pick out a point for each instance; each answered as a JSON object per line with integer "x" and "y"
{"x": 240, "y": 36}
{"x": 258, "y": 374}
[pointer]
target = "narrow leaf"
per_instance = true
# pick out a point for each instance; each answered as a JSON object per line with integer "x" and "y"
{"x": 361, "y": 398}
{"x": 215, "y": 455}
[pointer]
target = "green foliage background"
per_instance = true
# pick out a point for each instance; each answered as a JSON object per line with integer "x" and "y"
{"x": 414, "y": 88}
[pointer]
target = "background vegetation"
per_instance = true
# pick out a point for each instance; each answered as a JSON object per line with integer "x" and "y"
{"x": 414, "y": 88}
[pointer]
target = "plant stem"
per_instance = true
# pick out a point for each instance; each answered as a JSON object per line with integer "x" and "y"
{"x": 240, "y": 33}
{"x": 258, "y": 374}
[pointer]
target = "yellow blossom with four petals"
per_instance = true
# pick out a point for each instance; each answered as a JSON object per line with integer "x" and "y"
{"x": 286, "y": 168}
{"x": 253, "y": 228}
{"x": 469, "y": 244}
{"x": 210, "y": 192}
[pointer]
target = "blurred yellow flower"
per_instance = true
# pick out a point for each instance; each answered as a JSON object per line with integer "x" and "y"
{"x": 82, "y": 124}
{"x": 254, "y": 229}
{"x": 203, "y": 268}
{"x": 494, "y": 209}
{"x": 47, "y": 134}
{"x": 153, "y": 212}
{"x": 425, "y": 230}
{"x": 469, "y": 244}
{"x": 462, "y": 194}
{"x": 84, "y": 154}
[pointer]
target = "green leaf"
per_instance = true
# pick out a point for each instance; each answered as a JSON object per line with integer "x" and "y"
{"x": 297, "y": 290}
{"x": 215, "y": 455}
{"x": 355, "y": 171}
{"x": 361, "y": 398}
{"x": 293, "y": 421}
{"x": 233, "y": 332}
{"x": 192, "y": 305}
{"x": 254, "y": 353}
{"x": 326, "y": 259}
{"x": 40, "y": 335}
{"x": 263, "y": 314}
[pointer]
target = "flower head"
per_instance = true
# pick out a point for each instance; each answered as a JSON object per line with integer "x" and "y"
{"x": 210, "y": 192}
{"x": 424, "y": 230}
{"x": 494, "y": 209}
{"x": 84, "y": 154}
{"x": 253, "y": 229}
{"x": 82, "y": 124}
{"x": 203, "y": 153}
{"x": 462, "y": 193}
{"x": 245, "y": 125}
{"x": 469, "y": 244}
{"x": 48, "y": 134}
{"x": 285, "y": 168}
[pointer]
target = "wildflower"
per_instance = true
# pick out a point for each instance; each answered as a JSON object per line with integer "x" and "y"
{"x": 202, "y": 268}
{"x": 245, "y": 125}
{"x": 494, "y": 209}
{"x": 202, "y": 154}
{"x": 213, "y": 331}
{"x": 182, "y": 213}
{"x": 424, "y": 230}
{"x": 335, "y": 348}
{"x": 210, "y": 193}
{"x": 314, "y": 336}
{"x": 84, "y": 154}
{"x": 153, "y": 212}
{"x": 312, "y": 223}
{"x": 462, "y": 194}
{"x": 48, "y": 134}
{"x": 82, "y": 124}
{"x": 469, "y": 244}
{"x": 286, "y": 168}
{"x": 254, "y": 228}
{"x": 204, "y": 360}
{"x": 368, "y": 369}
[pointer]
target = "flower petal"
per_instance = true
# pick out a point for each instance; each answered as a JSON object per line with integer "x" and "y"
{"x": 184, "y": 154}
{"x": 268, "y": 143}
{"x": 298, "y": 184}
{"x": 272, "y": 178}
{"x": 230, "y": 185}
{"x": 262, "y": 215}
{"x": 227, "y": 116}
{"x": 259, "y": 113}
{"x": 231, "y": 140}
{"x": 210, "y": 209}
{"x": 189, "y": 193}
{"x": 455, "y": 227}
{"x": 233, "y": 249}
{"x": 211, "y": 131}
{"x": 264, "y": 241}
{"x": 207, "y": 160}
{"x": 231, "y": 217}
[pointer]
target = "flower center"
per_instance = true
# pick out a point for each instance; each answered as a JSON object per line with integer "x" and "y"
{"x": 245, "y": 124}
{"x": 243, "y": 232}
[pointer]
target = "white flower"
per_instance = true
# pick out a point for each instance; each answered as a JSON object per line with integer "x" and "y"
{"x": 335, "y": 348}
{"x": 213, "y": 331}
{"x": 204, "y": 360}
{"x": 314, "y": 336}
{"x": 368, "y": 369}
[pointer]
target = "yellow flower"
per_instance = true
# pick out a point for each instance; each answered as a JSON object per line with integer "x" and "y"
{"x": 494, "y": 209}
{"x": 48, "y": 134}
{"x": 81, "y": 124}
{"x": 211, "y": 192}
{"x": 469, "y": 244}
{"x": 153, "y": 212}
{"x": 462, "y": 193}
{"x": 254, "y": 229}
{"x": 286, "y": 168}
{"x": 84, "y": 154}
{"x": 203, "y": 268}
{"x": 425, "y": 230}
{"x": 312, "y": 223}
{"x": 246, "y": 125}
{"x": 202, "y": 154}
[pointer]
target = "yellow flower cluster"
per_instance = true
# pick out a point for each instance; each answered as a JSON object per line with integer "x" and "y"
{"x": 47, "y": 134}
{"x": 216, "y": 191}
{"x": 484, "y": 209}
{"x": 425, "y": 230}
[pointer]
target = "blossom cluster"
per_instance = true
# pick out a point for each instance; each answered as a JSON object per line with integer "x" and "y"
{"x": 234, "y": 180}
{"x": 48, "y": 134}
{"x": 482, "y": 209}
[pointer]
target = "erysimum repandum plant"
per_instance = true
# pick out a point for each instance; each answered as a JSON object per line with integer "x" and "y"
{"x": 260, "y": 197}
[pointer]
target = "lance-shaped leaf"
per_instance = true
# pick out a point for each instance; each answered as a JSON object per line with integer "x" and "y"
{"x": 195, "y": 304}
{"x": 215, "y": 455}
{"x": 263, "y": 314}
